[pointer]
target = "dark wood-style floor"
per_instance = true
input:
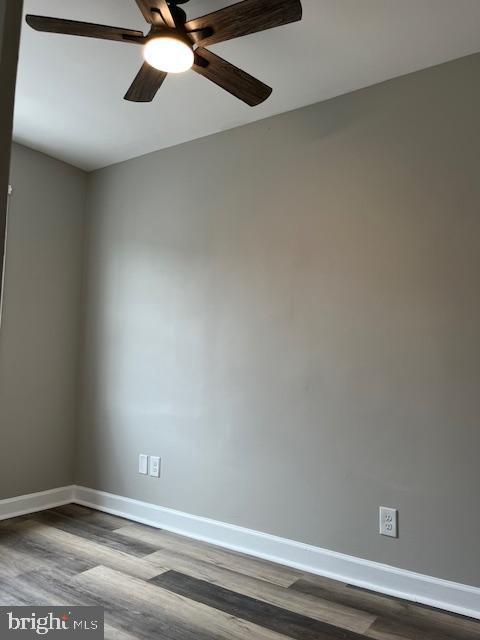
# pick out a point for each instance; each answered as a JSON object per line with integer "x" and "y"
{"x": 155, "y": 584}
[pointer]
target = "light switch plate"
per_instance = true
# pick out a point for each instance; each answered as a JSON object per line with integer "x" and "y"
{"x": 143, "y": 464}
{"x": 154, "y": 467}
{"x": 389, "y": 522}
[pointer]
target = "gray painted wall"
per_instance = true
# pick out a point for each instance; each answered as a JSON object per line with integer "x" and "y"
{"x": 10, "y": 17}
{"x": 288, "y": 314}
{"x": 39, "y": 344}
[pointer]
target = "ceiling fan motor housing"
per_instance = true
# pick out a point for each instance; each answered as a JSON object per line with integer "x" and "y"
{"x": 178, "y": 14}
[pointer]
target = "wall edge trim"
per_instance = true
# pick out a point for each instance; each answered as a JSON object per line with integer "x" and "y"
{"x": 32, "y": 502}
{"x": 382, "y": 578}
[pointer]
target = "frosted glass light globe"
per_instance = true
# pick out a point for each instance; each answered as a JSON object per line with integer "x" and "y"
{"x": 168, "y": 54}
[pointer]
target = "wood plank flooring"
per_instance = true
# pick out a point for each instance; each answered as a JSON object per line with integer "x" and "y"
{"x": 155, "y": 584}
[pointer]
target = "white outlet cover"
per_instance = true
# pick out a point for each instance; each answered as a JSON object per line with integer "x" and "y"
{"x": 154, "y": 468}
{"x": 143, "y": 464}
{"x": 389, "y": 522}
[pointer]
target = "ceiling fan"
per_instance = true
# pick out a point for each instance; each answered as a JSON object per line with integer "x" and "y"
{"x": 174, "y": 44}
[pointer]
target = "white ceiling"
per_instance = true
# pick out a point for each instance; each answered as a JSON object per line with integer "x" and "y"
{"x": 70, "y": 90}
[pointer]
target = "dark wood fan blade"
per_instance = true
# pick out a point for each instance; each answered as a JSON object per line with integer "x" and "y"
{"x": 246, "y": 17}
{"x": 145, "y": 86}
{"x": 237, "y": 82}
{"x": 156, "y": 12}
{"x": 86, "y": 29}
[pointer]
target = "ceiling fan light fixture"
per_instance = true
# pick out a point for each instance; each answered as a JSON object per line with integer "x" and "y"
{"x": 175, "y": 44}
{"x": 168, "y": 54}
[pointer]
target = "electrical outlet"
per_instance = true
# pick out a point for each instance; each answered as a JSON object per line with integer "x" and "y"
{"x": 389, "y": 522}
{"x": 154, "y": 468}
{"x": 143, "y": 464}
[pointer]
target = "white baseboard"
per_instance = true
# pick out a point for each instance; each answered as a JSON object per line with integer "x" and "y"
{"x": 442, "y": 594}
{"x": 21, "y": 505}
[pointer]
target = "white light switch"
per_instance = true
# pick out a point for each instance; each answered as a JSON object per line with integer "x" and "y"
{"x": 154, "y": 469}
{"x": 388, "y": 522}
{"x": 143, "y": 464}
